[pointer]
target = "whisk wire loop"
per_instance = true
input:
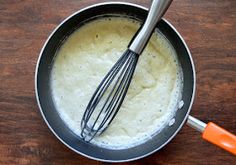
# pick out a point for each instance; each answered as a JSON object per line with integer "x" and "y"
{"x": 105, "y": 83}
{"x": 98, "y": 94}
{"x": 118, "y": 80}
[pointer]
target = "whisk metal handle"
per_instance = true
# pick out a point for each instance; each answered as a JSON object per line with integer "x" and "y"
{"x": 156, "y": 11}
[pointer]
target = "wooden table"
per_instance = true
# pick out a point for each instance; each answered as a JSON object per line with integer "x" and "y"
{"x": 209, "y": 30}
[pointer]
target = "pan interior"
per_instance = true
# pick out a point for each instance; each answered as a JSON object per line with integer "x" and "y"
{"x": 154, "y": 93}
{"x": 48, "y": 108}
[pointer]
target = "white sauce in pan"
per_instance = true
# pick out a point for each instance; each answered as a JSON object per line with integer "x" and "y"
{"x": 153, "y": 96}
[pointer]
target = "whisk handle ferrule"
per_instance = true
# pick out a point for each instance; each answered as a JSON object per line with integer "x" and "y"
{"x": 156, "y": 11}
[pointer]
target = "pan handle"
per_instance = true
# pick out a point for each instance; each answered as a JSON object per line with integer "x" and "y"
{"x": 214, "y": 134}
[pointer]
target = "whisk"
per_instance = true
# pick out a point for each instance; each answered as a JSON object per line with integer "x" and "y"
{"x": 109, "y": 95}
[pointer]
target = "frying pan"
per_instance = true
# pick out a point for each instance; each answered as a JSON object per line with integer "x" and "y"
{"x": 211, "y": 132}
